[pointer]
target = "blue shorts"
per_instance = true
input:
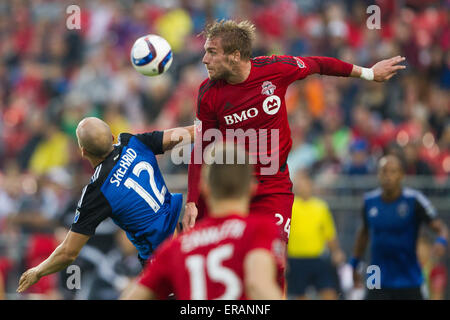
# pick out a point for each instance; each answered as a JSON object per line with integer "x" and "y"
{"x": 161, "y": 228}
{"x": 309, "y": 272}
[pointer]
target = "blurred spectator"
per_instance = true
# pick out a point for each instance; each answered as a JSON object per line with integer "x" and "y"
{"x": 52, "y": 77}
{"x": 340, "y": 135}
{"x": 52, "y": 151}
{"x": 360, "y": 161}
{"x": 414, "y": 165}
{"x": 329, "y": 164}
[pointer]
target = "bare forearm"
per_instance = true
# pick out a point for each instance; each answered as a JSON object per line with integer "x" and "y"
{"x": 333, "y": 245}
{"x": 356, "y": 71}
{"x": 362, "y": 240}
{"x": 178, "y": 137}
{"x": 57, "y": 261}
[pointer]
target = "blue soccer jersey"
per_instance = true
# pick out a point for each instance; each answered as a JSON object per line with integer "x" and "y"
{"x": 393, "y": 230}
{"x": 129, "y": 188}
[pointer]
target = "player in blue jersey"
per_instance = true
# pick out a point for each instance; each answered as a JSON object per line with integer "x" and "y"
{"x": 126, "y": 186}
{"x": 392, "y": 216}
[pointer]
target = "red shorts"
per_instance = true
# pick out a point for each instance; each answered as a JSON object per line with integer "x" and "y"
{"x": 278, "y": 205}
{"x": 273, "y": 197}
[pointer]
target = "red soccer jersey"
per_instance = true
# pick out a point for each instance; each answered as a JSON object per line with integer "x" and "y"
{"x": 257, "y": 106}
{"x": 208, "y": 261}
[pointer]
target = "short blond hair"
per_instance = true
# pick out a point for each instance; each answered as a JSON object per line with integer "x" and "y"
{"x": 233, "y": 36}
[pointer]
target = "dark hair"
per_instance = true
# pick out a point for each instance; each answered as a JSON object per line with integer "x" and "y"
{"x": 233, "y": 36}
{"x": 398, "y": 154}
{"x": 229, "y": 180}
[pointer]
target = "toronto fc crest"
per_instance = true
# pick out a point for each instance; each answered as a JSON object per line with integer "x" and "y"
{"x": 268, "y": 88}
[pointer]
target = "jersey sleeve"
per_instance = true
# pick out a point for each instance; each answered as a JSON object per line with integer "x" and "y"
{"x": 156, "y": 275}
{"x": 92, "y": 209}
{"x": 425, "y": 210}
{"x": 153, "y": 140}
{"x": 206, "y": 119}
{"x": 296, "y": 68}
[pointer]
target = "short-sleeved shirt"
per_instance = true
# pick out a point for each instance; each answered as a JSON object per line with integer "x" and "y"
{"x": 129, "y": 188}
{"x": 393, "y": 231}
{"x": 208, "y": 261}
{"x": 312, "y": 226}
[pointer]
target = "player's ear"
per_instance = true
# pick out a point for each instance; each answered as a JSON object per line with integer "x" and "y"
{"x": 236, "y": 56}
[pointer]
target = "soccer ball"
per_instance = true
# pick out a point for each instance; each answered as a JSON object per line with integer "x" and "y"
{"x": 151, "y": 55}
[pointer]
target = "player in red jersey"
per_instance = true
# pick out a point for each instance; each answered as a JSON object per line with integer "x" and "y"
{"x": 228, "y": 255}
{"x": 248, "y": 93}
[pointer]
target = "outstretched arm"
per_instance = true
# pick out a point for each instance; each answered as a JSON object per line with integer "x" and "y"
{"x": 177, "y": 136}
{"x": 381, "y": 71}
{"x": 62, "y": 257}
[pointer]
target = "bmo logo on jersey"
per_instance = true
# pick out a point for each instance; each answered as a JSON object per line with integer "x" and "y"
{"x": 239, "y": 117}
{"x": 271, "y": 105}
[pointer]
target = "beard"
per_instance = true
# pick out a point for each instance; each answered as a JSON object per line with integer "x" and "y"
{"x": 219, "y": 75}
{"x": 223, "y": 73}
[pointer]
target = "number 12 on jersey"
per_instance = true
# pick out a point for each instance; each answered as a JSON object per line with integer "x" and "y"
{"x": 130, "y": 183}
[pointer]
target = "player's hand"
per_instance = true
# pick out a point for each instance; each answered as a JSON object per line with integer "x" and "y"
{"x": 190, "y": 215}
{"x": 338, "y": 257}
{"x": 386, "y": 69}
{"x": 28, "y": 278}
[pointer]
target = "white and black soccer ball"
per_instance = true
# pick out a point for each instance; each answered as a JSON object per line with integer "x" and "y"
{"x": 151, "y": 55}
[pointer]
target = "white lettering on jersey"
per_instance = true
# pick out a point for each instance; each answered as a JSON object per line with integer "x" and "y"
{"x": 124, "y": 164}
{"x": 271, "y": 105}
{"x": 230, "y": 229}
{"x": 245, "y": 115}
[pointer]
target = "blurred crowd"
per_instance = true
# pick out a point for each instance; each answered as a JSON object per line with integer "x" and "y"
{"x": 51, "y": 77}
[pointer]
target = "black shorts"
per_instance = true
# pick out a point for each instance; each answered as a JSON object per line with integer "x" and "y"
{"x": 302, "y": 273}
{"x": 395, "y": 294}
